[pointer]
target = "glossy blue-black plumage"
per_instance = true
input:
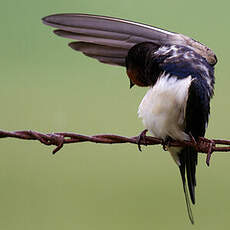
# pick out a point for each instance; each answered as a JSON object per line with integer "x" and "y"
{"x": 152, "y": 61}
{"x": 183, "y": 62}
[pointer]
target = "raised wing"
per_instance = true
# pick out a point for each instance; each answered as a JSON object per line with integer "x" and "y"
{"x": 109, "y": 39}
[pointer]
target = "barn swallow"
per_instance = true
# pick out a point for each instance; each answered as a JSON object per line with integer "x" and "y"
{"x": 178, "y": 71}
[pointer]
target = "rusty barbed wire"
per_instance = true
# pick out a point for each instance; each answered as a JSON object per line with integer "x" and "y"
{"x": 203, "y": 145}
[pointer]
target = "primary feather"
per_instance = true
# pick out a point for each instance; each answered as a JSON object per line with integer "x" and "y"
{"x": 114, "y": 32}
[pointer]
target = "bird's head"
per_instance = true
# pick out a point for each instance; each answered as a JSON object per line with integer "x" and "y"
{"x": 138, "y": 66}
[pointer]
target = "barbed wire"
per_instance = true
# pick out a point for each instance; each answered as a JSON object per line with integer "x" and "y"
{"x": 203, "y": 145}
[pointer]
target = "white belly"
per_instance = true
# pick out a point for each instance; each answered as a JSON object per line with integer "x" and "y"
{"x": 163, "y": 107}
{"x": 163, "y": 110}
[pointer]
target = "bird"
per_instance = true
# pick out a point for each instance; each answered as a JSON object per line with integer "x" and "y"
{"x": 177, "y": 70}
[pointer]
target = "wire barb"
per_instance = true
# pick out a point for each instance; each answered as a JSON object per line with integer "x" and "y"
{"x": 203, "y": 145}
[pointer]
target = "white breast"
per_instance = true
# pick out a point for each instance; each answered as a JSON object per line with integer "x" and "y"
{"x": 163, "y": 107}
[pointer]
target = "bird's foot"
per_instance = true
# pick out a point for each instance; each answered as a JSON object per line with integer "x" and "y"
{"x": 140, "y": 138}
{"x": 209, "y": 144}
{"x": 166, "y": 143}
{"x": 209, "y": 154}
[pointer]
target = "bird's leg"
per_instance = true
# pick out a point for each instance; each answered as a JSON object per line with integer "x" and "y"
{"x": 141, "y": 137}
{"x": 166, "y": 143}
{"x": 192, "y": 139}
{"x": 194, "y": 142}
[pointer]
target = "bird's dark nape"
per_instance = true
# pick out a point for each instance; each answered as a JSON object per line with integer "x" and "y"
{"x": 140, "y": 67}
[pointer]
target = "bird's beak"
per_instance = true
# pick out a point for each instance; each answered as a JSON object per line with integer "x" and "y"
{"x": 131, "y": 84}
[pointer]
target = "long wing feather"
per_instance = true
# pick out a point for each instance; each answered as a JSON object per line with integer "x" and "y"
{"x": 110, "y": 42}
{"x": 105, "y": 54}
{"x": 114, "y": 32}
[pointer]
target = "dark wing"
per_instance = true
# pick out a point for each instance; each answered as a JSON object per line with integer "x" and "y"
{"x": 98, "y": 34}
{"x": 196, "y": 120}
{"x": 183, "y": 62}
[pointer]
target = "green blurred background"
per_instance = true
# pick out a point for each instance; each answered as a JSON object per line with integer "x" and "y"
{"x": 46, "y": 86}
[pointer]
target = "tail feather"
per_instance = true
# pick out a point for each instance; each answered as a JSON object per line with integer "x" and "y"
{"x": 189, "y": 209}
{"x": 191, "y": 162}
{"x": 188, "y": 162}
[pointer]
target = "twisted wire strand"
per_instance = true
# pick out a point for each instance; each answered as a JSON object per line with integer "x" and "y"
{"x": 203, "y": 145}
